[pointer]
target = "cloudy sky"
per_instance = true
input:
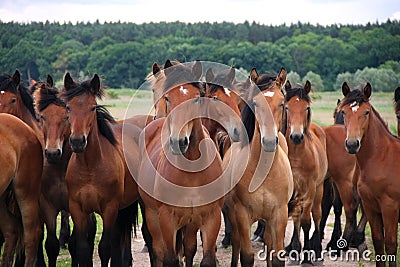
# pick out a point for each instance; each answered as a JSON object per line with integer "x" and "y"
{"x": 324, "y": 12}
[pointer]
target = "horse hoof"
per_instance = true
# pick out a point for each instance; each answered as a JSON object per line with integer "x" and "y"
{"x": 293, "y": 262}
{"x": 318, "y": 263}
{"x": 306, "y": 264}
{"x": 362, "y": 247}
{"x": 145, "y": 249}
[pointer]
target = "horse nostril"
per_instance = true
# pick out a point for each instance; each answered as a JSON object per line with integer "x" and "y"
{"x": 276, "y": 140}
{"x": 185, "y": 141}
{"x": 58, "y": 152}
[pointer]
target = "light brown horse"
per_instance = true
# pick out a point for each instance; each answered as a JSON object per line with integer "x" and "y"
{"x": 307, "y": 155}
{"x": 169, "y": 153}
{"x": 375, "y": 148}
{"x": 261, "y": 193}
{"x": 98, "y": 178}
{"x": 21, "y": 160}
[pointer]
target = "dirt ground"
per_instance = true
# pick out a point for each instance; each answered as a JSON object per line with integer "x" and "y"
{"x": 224, "y": 255}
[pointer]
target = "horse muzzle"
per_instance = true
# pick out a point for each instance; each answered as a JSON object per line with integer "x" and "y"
{"x": 297, "y": 138}
{"x": 352, "y": 146}
{"x": 53, "y": 155}
{"x": 269, "y": 145}
{"x": 78, "y": 144}
{"x": 179, "y": 146}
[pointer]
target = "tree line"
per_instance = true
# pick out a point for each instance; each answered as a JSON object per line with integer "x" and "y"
{"x": 123, "y": 52}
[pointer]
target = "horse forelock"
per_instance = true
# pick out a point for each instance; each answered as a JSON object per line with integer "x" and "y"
{"x": 6, "y": 84}
{"x": 80, "y": 88}
{"x": 299, "y": 92}
{"x": 48, "y": 96}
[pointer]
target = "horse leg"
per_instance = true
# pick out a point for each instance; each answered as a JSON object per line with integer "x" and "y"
{"x": 52, "y": 245}
{"x": 337, "y": 227}
{"x": 11, "y": 229}
{"x": 109, "y": 217}
{"x": 64, "y": 229}
{"x": 243, "y": 225}
{"x": 306, "y": 226}
{"x": 209, "y": 231}
{"x": 145, "y": 231}
{"x": 317, "y": 213}
{"x": 327, "y": 201}
{"x": 235, "y": 237}
{"x": 390, "y": 215}
{"x": 169, "y": 233}
{"x": 72, "y": 248}
{"x": 358, "y": 237}
{"x": 228, "y": 228}
{"x": 82, "y": 248}
{"x": 153, "y": 225}
{"x": 275, "y": 229}
{"x": 92, "y": 228}
{"x": 294, "y": 248}
{"x": 190, "y": 243}
{"x": 376, "y": 223}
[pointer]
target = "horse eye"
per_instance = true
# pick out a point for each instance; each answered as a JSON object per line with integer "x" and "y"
{"x": 282, "y": 106}
{"x": 215, "y": 98}
{"x": 196, "y": 100}
{"x": 166, "y": 99}
{"x": 42, "y": 118}
{"x": 366, "y": 112}
{"x": 308, "y": 109}
{"x": 66, "y": 118}
{"x": 93, "y": 109}
{"x": 13, "y": 101}
{"x": 68, "y": 109}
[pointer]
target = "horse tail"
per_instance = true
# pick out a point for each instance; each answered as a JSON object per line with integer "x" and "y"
{"x": 13, "y": 209}
{"x": 126, "y": 221}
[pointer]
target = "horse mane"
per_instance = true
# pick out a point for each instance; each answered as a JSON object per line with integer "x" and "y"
{"x": 338, "y": 115}
{"x": 48, "y": 96}
{"x": 396, "y": 105}
{"x": 249, "y": 121}
{"x": 103, "y": 119}
{"x": 301, "y": 94}
{"x": 7, "y": 84}
{"x": 80, "y": 88}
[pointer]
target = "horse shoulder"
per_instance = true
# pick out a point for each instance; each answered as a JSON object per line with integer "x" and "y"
{"x": 282, "y": 143}
{"x": 319, "y": 133}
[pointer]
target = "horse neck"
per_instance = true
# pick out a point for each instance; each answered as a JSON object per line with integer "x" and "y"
{"x": 26, "y": 116}
{"x": 376, "y": 140}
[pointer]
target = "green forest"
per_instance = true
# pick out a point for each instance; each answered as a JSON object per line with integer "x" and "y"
{"x": 123, "y": 53}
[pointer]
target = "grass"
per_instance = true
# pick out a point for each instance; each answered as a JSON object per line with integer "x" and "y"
{"x": 127, "y": 102}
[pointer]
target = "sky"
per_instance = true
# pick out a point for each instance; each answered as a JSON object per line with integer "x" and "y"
{"x": 277, "y": 12}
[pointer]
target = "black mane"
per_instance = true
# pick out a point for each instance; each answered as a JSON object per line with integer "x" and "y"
{"x": 49, "y": 96}
{"x": 249, "y": 121}
{"x": 299, "y": 92}
{"x": 80, "y": 88}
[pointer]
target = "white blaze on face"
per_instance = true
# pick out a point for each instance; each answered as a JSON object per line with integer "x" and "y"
{"x": 297, "y": 99}
{"x": 269, "y": 94}
{"x": 227, "y": 91}
{"x": 183, "y": 90}
{"x": 2, "y": 92}
{"x": 354, "y": 106}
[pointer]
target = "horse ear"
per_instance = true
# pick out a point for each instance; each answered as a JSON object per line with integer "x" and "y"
{"x": 16, "y": 78}
{"x": 49, "y": 80}
{"x": 155, "y": 68}
{"x": 307, "y": 86}
{"x": 345, "y": 89}
{"x": 167, "y": 66}
{"x": 338, "y": 102}
{"x": 281, "y": 77}
{"x": 231, "y": 75}
{"x": 209, "y": 76}
{"x": 288, "y": 86}
{"x": 397, "y": 94}
{"x": 254, "y": 75}
{"x": 367, "y": 91}
{"x": 197, "y": 70}
{"x": 95, "y": 84}
{"x": 68, "y": 81}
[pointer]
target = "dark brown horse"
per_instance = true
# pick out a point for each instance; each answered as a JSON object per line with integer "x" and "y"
{"x": 98, "y": 178}
{"x": 375, "y": 148}
{"x": 53, "y": 118}
{"x": 170, "y": 153}
{"x": 307, "y": 155}
{"x": 21, "y": 160}
{"x": 397, "y": 108}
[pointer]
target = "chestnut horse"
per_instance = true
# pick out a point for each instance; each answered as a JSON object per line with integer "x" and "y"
{"x": 375, "y": 148}
{"x": 98, "y": 178}
{"x": 176, "y": 191}
{"x": 21, "y": 160}
{"x": 307, "y": 155}
{"x": 53, "y": 118}
{"x": 266, "y": 185}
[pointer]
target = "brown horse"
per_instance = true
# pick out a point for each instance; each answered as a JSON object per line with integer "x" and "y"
{"x": 262, "y": 192}
{"x": 98, "y": 178}
{"x": 169, "y": 146}
{"x": 307, "y": 155}
{"x": 21, "y": 160}
{"x": 340, "y": 189}
{"x": 53, "y": 118}
{"x": 375, "y": 148}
